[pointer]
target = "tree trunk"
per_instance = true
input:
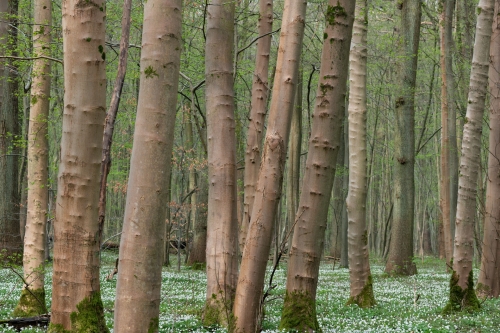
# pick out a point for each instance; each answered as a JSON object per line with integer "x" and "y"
{"x": 247, "y": 304}
{"x": 489, "y": 274}
{"x": 260, "y": 92}
{"x": 338, "y": 198}
{"x": 109, "y": 126}
{"x": 11, "y": 245}
{"x": 400, "y": 259}
{"x": 222, "y": 220}
{"x": 138, "y": 286}
{"x": 32, "y": 301}
{"x": 462, "y": 294}
{"x": 299, "y": 312}
{"x": 447, "y": 101}
{"x": 360, "y": 276}
{"x": 198, "y": 254}
{"x": 76, "y": 299}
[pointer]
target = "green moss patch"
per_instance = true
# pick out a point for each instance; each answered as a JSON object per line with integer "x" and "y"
{"x": 89, "y": 316}
{"x": 31, "y": 303}
{"x": 365, "y": 299}
{"x": 462, "y": 299}
{"x": 299, "y": 313}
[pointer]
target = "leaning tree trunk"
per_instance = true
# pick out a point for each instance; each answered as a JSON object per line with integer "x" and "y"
{"x": 137, "y": 305}
{"x": 489, "y": 274}
{"x": 222, "y": 221}
{"x": 400, "y": 259}
{"x": 76, "y": 298}
{"x": 462, "y": 293}
{"x": 32, "y": 301}
{"x": 260, "y": 92}
{"x": 359, "y": 264}
{"x": 299, "y": 312}
{"x": 11, "y": 245}
{"x": 247, "y": 303}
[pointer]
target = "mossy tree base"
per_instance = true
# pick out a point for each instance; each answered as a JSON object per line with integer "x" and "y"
{"x": 31, "y": 303}
{"x": 299, "y": 313}
{"x": 462, "y": 299}
{"x": 88, "y": 318}
{"x": 218, "y": 312}
{"x": 365, "y": 299}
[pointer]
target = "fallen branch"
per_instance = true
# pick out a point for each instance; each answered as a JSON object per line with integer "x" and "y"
{"x": 19, "y": 323}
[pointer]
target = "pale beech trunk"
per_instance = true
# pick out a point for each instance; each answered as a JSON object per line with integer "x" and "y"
{"x": 260, "y": 92}
{"x": 75, "y": 279}
{"x": 400, "y": 258}
{"x": 222, "y": 221}
{"x": 138, "y": 285}
{"x": 299, "y": 312}
{"x": 268, "y": 192}
{"x": 32, "y": 300}
{"x": 445, "y": 188}
{"x": 359, "y": 265}
{"x": 462, "y": 294}
{"x": 489, "y": 274}
{"x": 11, "y": 245}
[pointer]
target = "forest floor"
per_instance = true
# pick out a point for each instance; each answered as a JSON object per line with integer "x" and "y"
{"x": 409, "y": 304}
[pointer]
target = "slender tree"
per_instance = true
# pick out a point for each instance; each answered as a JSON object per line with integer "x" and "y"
{"x": 32, "y": 301}
{"x": 76, "y": 298}
{"x": 359, "y": 265}
{"x": 299, "y": 312}
{"x": 400, "y": 258}
{"x": 489, "y": 274}
{"x": 222, "y": 222}
{"x": 260, "y": 92}
{"x": 462, "y": 293}
{"x": 247, "y": 304}
{"x": 11, "y": 245}
{"x": 109, "y": 126}
{"x": 138, "y": 286}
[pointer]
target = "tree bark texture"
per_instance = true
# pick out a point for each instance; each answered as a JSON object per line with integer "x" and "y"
{"x": 32, "y": 301}
{"x": 400, "y": 258}
{"x": 138, "y": 286}
{"x": 462, "y": 294}
{"x": 361, "y": 290}
{"x": 76, "y": 230}
{"x": 445, "y": 26}
{"x": 11, "y": 245}
{"x": 299, "y": 311}
{"x": 109, "y": 126}
{"x": 247, "y": 304}
{"x": 489, "y": 274}
{"x": 260, "y": 93}
{"x": 222, "y": 220}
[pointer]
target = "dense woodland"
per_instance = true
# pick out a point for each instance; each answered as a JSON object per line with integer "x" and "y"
{"x": 243, "y": 134}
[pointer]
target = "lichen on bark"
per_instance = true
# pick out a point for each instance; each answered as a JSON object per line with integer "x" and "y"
{"x": 31, "y": 303}
{"x": 299, "y": 313}
{"x": 462, "y": 299}
{"x": 365, "y": 298}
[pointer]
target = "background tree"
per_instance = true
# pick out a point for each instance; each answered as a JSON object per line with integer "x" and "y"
{"x": 32, "y": 301}
{"x": 76, "y": 298}
{"x": 462, "y": 293}
{"x": 400, "y": 259}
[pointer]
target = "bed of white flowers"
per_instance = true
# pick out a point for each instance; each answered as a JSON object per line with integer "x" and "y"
{"x": 404, "y": 304}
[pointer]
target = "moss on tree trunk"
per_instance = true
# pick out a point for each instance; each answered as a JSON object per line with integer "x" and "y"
{"x": 299, "y": 313}
{"x": 365, "y": 298}
{"x": 31, "y": 303}
{"x": 88, "y": 318}
{"x": 462, "y": 299}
